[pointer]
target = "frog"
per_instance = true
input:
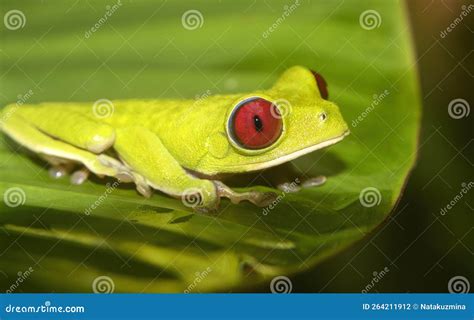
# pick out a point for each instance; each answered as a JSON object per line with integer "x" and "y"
{"x": 183, "y": 147}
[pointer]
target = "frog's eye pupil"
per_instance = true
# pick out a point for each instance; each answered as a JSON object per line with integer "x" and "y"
{"x": 258, "y": 123}
{"x": 254, "y": 124}
{"x": 322, "y": 85}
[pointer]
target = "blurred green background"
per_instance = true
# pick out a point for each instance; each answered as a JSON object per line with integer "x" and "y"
{"x": 421, "y": 248}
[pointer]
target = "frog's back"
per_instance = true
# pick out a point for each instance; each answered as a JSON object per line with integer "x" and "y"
{"x": 117, "y": 113}
{"x": 183, "y": 125}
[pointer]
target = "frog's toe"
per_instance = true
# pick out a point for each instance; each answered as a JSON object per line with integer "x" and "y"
{"x": 314, "y": 182}
{"x": 57, "y": 172}
{"x": 58, "y": 167}
{"x": 264, "y": 199}
{"x": 110, "y": 162}
{"x": 142, "y": 186}
{"x": 144, "y": 190}
{"x": 289, "y": 187}
{"x": 80, "y": 176}
{"x": 104, "y": 165}
{"x": 125, "y": 176}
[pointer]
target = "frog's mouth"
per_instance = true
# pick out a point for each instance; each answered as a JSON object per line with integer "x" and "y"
{"x": 296, "y": 154}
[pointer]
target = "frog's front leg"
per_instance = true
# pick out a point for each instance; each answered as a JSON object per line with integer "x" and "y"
{"x": 145, "y": 154}
{"x": 261, "y": 199}
{"x": 152, "y": 165}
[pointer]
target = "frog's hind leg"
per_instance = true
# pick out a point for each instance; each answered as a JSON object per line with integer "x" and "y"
{"x": 57, "y": 151}
{"x": 73, "y": 127}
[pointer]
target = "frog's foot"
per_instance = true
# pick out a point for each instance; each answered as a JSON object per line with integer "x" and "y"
{"x": 314, "y": 182}
{"x": 291, "y": 187}
{"x": 260, "y": 199}
{"x": 59, "y": 171}
{"x": 58, "y": 167}
{"x": 125, "y": 174}
{"x": 142, "y": 185}
{"x": 79, "y": 176}
{"x": 122, "y": 171}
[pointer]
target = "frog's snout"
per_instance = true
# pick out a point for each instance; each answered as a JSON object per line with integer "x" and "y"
{"x": 330, "y": 118}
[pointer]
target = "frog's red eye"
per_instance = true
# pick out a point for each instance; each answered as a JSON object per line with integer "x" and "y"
{"x": 255, "y": 124}
{"x": 322, "y": 85}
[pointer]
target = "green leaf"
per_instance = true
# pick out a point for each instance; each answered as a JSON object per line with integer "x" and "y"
{"x": 71, "y": 235}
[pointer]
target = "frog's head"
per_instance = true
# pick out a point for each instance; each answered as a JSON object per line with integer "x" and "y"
{"x": 291, "y": 119}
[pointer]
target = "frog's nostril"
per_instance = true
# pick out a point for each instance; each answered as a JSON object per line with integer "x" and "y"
{"x": 323, "y": 116}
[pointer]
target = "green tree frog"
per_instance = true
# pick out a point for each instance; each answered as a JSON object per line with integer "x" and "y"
{"x": 183, "y": 147}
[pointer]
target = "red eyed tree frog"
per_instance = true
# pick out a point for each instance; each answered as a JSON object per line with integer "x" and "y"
{"x": 180, "y": 147}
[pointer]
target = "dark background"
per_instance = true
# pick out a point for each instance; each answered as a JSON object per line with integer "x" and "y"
{"x": 422, "y": 248}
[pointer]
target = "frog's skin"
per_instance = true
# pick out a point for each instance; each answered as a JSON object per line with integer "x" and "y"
{"x": 177, "y": 146}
